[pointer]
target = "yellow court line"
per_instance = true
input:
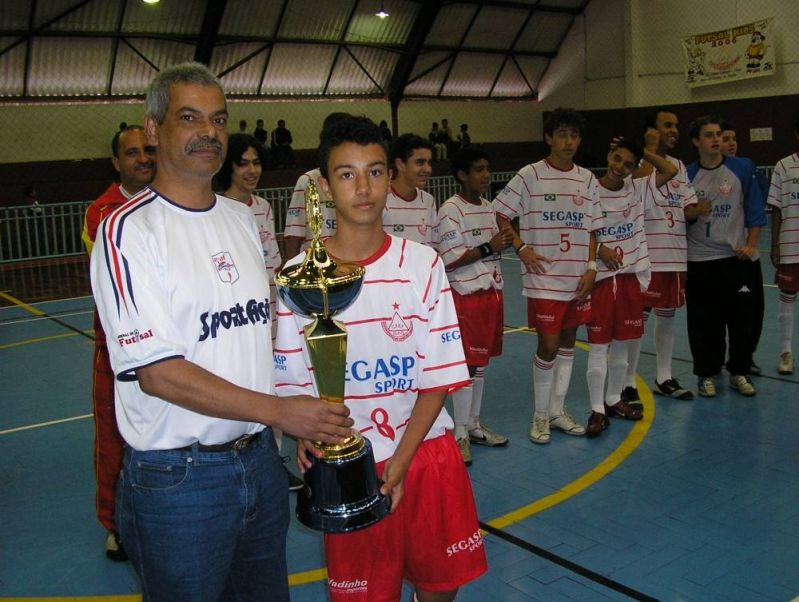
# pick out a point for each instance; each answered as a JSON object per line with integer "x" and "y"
{"x": 22, "y": 304}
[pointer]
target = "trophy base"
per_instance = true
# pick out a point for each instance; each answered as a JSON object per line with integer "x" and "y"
{"x": 342, "y": 494}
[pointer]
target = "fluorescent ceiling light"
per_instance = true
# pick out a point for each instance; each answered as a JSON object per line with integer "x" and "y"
{"x": 382, "y": 12}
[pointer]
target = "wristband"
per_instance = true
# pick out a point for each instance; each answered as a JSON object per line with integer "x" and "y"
{"x": 521, "y": 248}
{"x": 485, "y": 250}
{"x": 591, "y": 266}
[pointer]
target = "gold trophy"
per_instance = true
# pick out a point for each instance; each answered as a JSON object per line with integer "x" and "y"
{"x": 342, "y": 491}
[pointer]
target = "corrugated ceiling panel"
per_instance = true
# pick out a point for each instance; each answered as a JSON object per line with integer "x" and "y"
{"x": 533, "y": 68}
{"x": 95, "y": 16}
{"x": 544, "y": 32}
{"x": 511, "y": 83}
{"x": 472, "y": 74}
{"x": 245, "y": 78}
{"x": 184, "y": 17}
{"x": 296, "y": 69}
{"x": 248, "y": 18}
{"x": 430, "y": 83}
{"x": 576, "y": 4}
{"x": 14, "y": 15}
{"x": 12, "y": 68}
{"x": 69, "y": 67}
{"x": 314, "y": 20}
{"x": 368, "y": 28}
{"x": 45, "y": 11}
{"x": 495, "y": 27}
{"x": 349, "y": 78}
{"x": 132, "y": 74}
{"x": 450, "y": 25}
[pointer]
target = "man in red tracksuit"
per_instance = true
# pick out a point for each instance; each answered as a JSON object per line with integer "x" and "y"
{"x": 134, "y": 159}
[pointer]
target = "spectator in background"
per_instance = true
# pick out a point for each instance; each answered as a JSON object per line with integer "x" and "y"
{"x": 464, "y": 139}
{"x": 437, "y": 140}
{"x": 282, "y": 152}
{"x": 134, "y": 158}
{"x": 385, "y": 132}
{"x": 242, "y": 126}
{"x": 32, "y": 199}
{"x": 447, "y": 138}
{"x": 260, "y": 133}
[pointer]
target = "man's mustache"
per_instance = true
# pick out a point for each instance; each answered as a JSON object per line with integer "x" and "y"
{"x": 203, "y": 145}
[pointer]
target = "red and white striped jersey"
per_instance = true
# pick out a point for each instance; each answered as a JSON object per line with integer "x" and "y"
{"x": 410, "y": 218}
{"x": 557, "y": 212}
{"x": 462, "y": 226}
{"x": 265, "y": 220}
{"x": 784, "y": 194}
{"x": 665, "y": 223}
{"x": 297, "y": 220}
{"x": 623, "y": 212}
{"x": 403, "y": 340}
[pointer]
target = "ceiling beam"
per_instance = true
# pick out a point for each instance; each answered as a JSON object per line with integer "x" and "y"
{"x": 214, "y": 11}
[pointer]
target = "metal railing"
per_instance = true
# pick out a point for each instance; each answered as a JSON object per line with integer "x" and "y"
{"x": 54, "y": 230}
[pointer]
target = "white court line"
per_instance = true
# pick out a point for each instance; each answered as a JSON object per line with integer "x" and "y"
{"x": 37, "y": 318}
{"x": 42, "y": 424}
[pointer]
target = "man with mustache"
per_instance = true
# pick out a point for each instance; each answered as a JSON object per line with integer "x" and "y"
{"x": 134, "y": 159}
{"x": 178, "y": 275}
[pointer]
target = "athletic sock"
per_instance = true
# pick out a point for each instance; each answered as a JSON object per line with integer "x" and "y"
{"x": 477, "y": 397}
{"x": 595, "y": 375}
{"x": 617, "y": 369}
{"x": 664, "y": 342}
{"x": 633, "y": 355}
{"x": 785, "y": 306}
{"x": 564, "y": 362}
{"x": 543, "y": 375}
{"x": 461, "y": 408}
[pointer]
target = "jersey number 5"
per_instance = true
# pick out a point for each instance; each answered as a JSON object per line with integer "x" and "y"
{"x": 565, "y": 245}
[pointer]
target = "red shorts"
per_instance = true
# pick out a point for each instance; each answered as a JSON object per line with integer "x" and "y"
{"x": 550, "y": 317}
{"x": 617, "y": 308}
{"x": 666, "y": 289}
{"x": 787, "y": 277}
{"x": 481, "y": 318}
{"x": 432, "y": 539}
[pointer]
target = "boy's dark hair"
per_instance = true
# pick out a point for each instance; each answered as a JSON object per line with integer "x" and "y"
{"x": 236, "y": 147}
{"x": 115, "y": 139}
{"x": 564, "y": 117}
{"x": 651, "y": 118}
{"x": 359, "y": 130}
{"x": 700, "y": 122}
{"x": 331, "y": 120}
{"x": 726, "y": 125}
{"x": 402, "y": 148}
{"x": 633, "y": 147}
{"x": 465, "y": 158}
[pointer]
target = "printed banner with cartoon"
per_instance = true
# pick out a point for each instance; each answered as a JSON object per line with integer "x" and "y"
{"x": 731, "y": 54}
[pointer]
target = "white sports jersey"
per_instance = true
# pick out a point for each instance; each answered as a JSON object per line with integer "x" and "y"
{"x": 170, "y": 282}
{"x": 463, "y": 226}
{"x": 403, "y": 340}
{"x": 557, "y": 212}
{"x": 410, "y": 218}
{"x": 784, "y": 194}
{"x": 623, "y": 212}
{"x": 665, "y": 223}
{"x": 297, "y": 221}
{"x": 265, "y": 220}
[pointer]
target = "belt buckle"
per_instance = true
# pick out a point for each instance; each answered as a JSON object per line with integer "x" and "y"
{"x": 242, "y": 442}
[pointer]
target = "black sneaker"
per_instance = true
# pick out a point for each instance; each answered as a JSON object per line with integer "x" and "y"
{"x": 672, "y": 388}
{"x": 630, "y": 395}
{"x": 755, "y": 370}
{"x": 114, "y": 549}
{"x": 295, "y": 482}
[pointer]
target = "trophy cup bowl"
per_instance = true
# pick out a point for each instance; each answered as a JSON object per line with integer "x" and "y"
{"x": 342, "y": 491}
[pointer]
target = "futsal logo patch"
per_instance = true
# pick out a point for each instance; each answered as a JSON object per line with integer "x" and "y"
{"x": 397, "y": 328}
{"x": 225, "y": 267}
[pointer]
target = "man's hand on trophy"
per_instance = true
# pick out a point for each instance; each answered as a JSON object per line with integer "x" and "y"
{"x": 307, "y": 417}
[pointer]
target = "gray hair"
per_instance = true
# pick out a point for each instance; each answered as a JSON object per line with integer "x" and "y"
{"x": 157, "y": 100}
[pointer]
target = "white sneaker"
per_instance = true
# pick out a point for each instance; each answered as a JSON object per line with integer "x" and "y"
{"x": 466, "y": 450}
{"x": 539, "y": 430}
{"x": 785, "y": 366}
{"x": 481, "y": 435}
{"x": 742, "y": 384}
{"x": 566, "y": 423}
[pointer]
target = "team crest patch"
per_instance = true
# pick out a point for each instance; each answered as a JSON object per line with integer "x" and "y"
{"x": 577, "y": 199}
{"x": 626, "y": 213}
{"x": 674, "y": 184}
{"x": 227, "y": 270}
{"x": 550, "y": 197}
{"x": 396, "y": 327}
{"x": 725, "y": 187}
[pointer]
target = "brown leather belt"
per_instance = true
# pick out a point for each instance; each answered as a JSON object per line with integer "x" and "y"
{"x": 237, "y": 444}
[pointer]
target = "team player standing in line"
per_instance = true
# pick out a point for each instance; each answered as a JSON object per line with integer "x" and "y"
{"x": 410, "y": 211}
{"x": 404, "y": 317}
{"x": 665, "y": 226}
{"x": 719, "y": 244}
{"x": 134, "y": 159}
{"x": 470, "y": 243}
{"x": 783, "y": 197}
{"x": 624, "y": 274}
{"x": 557, "y": 205}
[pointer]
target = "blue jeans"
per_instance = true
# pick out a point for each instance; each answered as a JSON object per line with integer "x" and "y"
{"x": 209, "y": 526}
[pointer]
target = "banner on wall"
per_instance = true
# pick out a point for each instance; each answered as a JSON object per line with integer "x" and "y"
{"x": 731, "y": 54}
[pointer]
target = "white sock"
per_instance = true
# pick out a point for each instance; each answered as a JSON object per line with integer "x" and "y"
{"x": 543, "y": 375}
{"x": 633, "y": 355}
{"x": 564, "y": 362}
{"x": 477, "y": 397}
{"x": 595, "y": 375}
{"x": 785, "y": 306}
{"x": 617, "y": 369}
{"x": 461, "y": 408}
{"x": 664, "y": 342}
